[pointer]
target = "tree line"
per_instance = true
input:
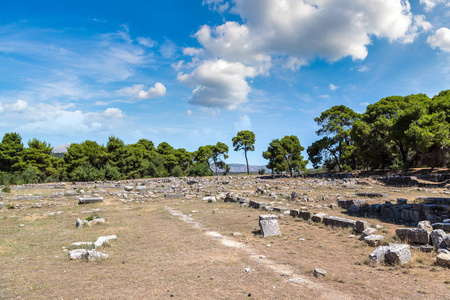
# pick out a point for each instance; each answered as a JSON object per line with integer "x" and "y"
{"x": 395, "y": 132}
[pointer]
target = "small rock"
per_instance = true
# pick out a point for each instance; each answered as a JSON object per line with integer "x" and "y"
{"x": 318, "y": 272}
{"x": 443, "y": 260}
{"x": 79, "y": 223}
{"x": 374, "y": 240}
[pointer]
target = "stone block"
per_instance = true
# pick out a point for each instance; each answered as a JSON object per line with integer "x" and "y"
{"x": 318, "y": 218}
{"x": 294, "y": 212}
{"x": 437, "y": 237}
{"x": 373, "y": 240}
{"x": 379, "y": 254}
{"x": 398, "y": 254}
{"x": 269, "y": 225}
{"x": 361, "y": 225}
{"x": 413, "y": 235}
{"x": 443, "y": 226}
{"x": 443, "y": 260}
{"x": 172, "y": 196}
{"x": 305, "y": 215}
{"x": 87, "y": 200}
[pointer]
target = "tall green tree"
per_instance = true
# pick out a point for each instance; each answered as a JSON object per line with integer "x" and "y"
{"x": 11, "y": 153}
{"x": 285, "y": 155}
{"x": 245, "y": 140}
{"x": 335, "y": 126}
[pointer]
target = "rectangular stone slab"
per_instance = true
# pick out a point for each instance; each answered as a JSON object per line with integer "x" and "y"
{"x": 88, "y": 200}
{"x": 269, "y": 225}
{"x": 170, "y": 196}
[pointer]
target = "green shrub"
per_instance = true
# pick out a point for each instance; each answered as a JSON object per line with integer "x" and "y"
{"x": 177, "y": 171}
{"x": 261, "y": 171}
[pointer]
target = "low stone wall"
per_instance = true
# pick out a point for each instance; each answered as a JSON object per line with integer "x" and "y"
{"x": 435, "y": 210}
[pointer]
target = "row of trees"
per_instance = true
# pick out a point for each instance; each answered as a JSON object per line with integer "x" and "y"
{"x": 395, "y": 132}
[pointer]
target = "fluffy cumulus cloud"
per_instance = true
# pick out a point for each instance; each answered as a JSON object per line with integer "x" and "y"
{"x": 157, "y": 90}
{"x": 333, "y": 87}
{"x": 440, "y": 39}
{"x": 291, "y": 33}
{"x": 113, "y": 113}
{"x": 219, "y": 83}
{"x": 217, "y": 5}
{"x": 137, "y": 91}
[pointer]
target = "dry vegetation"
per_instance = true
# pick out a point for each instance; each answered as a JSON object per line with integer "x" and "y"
{"x": 159, "y": 256}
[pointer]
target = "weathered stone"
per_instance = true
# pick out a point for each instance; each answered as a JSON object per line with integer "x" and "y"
{"x": 443, "y": 226}
{"x": 345, "y": 204}
{"x": 378, "y": 255}
{"x": 280, "y": 209}
{"x": 372, "y": 195}
{"x": 128, "y": 188}
{"x": 257, "y": 205}
{"x": 82, "y": 244}
{"x": 79, "y": 223}
{"x": 87, "y": 200}
{"x": 305, "y": 215}
{"x": 353, "y": 209}
{"x": 367, "y": 232}
{"x": 171, "y": 196}
{"x": 294, "y": 212}
{"x": 104, "y": 239}
{"x": 425, "y": 225}
{"x": 447, "y": 241}
{"x": 339, "y": 222}
{"x": 319, "y": 217}
{"x": 437, "y": 237}
{"x": 373, "y": 240}
{"x": 443, "y": 260}
{"x": 89, "y": 255}
{"x": 269, "y": 225}
{"x": 398, "y": 254}
{"x": 97, "y": 221}
{"x": 413, "y": 235}
{"x": 210, "y": 199}
{"x": 141, "y": 188}
{"x": 360, "y": 226}
{"x": 318, "y": 272}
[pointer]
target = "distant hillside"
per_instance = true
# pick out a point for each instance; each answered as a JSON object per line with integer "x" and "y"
{"x": 61, "y": 148}
{"x": 242, "y": 168}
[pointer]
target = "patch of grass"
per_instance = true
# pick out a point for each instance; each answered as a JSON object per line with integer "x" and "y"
{"x": 94, "y": 215}
{"x": 6, "y": 189}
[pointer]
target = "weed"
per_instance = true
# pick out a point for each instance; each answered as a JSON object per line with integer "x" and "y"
{"x": 6, "y": 189}
{"x": 94, "y": 215}
{"x": 9, "y": 206}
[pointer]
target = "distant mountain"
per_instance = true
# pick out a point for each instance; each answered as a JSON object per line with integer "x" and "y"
{"x": 61, "y": 148}
{"x": 242, "y": 168}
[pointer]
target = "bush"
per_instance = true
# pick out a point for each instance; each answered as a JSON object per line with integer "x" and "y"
{"x": 261, "y": 171}
{"x": 111, "y": 172}
{"x": 200, "y": 169}
{"x": 87, "y": 172}
{"x": 30, "y": 175}
{"x": 177, "y": 171}
{"x": 6, "y": 189}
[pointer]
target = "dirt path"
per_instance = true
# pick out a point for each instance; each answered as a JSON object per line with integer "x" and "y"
{"x": 279, "y": 269}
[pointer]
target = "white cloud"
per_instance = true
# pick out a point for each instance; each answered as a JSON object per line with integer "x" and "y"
{"x": 157, "y": 90}
{"x": 430, "y": 4}
{"x": 147, "y": 42}
{"x": 19, "y": 106}
{"x": 57, "y": 119}
{"x": 101, "y": 103}
{"x": 189, "y": 112}
{"x": 244, "y": 123}
{"x": 440, "y": 39}
{"x": 218, "y": 5}
{"x": 191, "y": 51}
{"x": 168, "y": 49}
{"x": 137, "y": 91}
{"x": 113, "y": 113}
{"x": 291, "y": 33}
{"x": 219, "y": 83}
{"x": 333, "y": 87}
{"x": 324, "y": 96}
{"x": 363, "y": 69}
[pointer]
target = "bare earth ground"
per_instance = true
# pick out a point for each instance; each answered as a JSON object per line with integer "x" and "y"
{"x": 184, "y": 248}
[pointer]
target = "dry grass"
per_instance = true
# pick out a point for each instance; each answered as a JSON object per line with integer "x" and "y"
{"x": 158, "y": 256}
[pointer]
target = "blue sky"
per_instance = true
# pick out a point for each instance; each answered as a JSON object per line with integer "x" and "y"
{"x": 193, "y": 73}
